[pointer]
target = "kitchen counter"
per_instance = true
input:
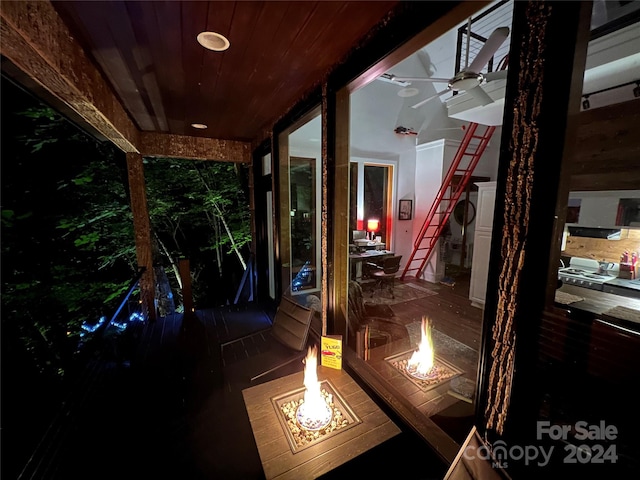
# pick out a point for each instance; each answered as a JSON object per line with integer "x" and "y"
{"x": 597, "y": 303}
{"x": 619, "y": 286}
{"x": 620, "y": 282}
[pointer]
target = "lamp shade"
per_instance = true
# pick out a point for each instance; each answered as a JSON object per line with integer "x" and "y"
{"x": 373, "y": 225}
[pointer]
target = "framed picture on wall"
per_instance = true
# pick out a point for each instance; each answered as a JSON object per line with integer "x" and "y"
{"x": 405, "y": 210}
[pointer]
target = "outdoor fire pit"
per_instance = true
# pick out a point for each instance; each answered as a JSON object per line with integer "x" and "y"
{"x": 422, "y": 366}
{"x": 314, "y": 412}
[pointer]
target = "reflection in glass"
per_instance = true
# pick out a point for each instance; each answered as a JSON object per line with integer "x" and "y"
{"x": 303, "y": 222}
{"x": 299, "y": 177}
{"x": 629, "y": 212}
{"x": 370, "y": 199}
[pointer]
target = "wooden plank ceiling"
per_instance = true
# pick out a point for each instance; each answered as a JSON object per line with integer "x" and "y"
{"x": 166, "y": 81}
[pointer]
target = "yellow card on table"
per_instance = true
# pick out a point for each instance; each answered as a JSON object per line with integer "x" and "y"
{"x": 331, "y": 351}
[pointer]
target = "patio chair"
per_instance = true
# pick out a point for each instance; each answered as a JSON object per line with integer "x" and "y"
{"x": 283, "y": 343}
{"x": 386, "y": 273}
{"x": 372, "y": 331}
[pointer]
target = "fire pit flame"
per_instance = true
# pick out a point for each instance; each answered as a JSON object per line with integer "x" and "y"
{"x": 314, "y": 412}
{"x": 421, "y": 363}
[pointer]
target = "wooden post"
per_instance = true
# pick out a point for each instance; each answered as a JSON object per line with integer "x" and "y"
{"x": 543, "y": 95}
{"x": 142, "y": 231}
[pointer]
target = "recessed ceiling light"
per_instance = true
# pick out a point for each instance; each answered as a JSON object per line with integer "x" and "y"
{"x": 408, "y": 92}
{"x": 213, "y": 41}
{"x": 199, "y": 126}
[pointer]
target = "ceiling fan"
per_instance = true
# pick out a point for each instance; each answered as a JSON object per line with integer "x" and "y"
{"x": 468, "y": 79}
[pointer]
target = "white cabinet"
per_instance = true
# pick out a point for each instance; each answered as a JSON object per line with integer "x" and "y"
{"x": 482, "y": 243}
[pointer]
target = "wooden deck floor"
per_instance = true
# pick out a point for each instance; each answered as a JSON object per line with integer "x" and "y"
{"x": 178, "y": 412}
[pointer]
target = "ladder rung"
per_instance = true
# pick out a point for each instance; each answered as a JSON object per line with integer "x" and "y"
{"x": 474, "y": 151}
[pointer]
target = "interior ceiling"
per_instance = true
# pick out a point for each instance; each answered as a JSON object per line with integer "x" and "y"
{"x": 613, "y": 67}
{"x": 148, "y": 51}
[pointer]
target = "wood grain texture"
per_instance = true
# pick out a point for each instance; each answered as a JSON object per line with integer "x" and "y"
{"x": 601, "y": 248}
{"x": 37, "y": 41}
{"x": 167, "y": 81}
{"x": 275, "y": 453}
{"x": 520, "y": 173}
{"x": 607, "y": 151}
{"x": 194, "y": 148}
{"x": 142, "y": 229}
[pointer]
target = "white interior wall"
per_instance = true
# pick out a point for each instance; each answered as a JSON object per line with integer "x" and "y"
{"x": 376, "y": 110}
{"x": 406, "y": 190}
{"x": 429, "y": 170}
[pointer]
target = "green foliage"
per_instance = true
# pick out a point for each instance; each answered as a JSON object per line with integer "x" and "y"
{"x": 68, "y": 251}
{"x": 64, "y": 209}
{"x": 194, "y": 199}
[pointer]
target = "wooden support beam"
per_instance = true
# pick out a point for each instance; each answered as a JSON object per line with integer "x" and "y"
{"x": 539, "y": 133}
{"x": 195, "y": 148}
{"x": 142, "y": 230}
{"x": 37, "y": 43}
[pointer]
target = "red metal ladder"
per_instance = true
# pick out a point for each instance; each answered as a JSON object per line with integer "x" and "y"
{"x": 447, "y": 197}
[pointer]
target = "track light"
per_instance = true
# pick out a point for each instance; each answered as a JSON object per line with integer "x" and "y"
{"x": 585, "y": 103}
{"x": 636, "y": 90}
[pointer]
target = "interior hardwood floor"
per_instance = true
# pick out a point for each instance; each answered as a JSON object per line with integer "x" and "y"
{"x": 450, "y": 310}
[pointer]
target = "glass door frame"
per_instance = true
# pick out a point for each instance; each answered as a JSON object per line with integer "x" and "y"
{"x": 284, "y": 203}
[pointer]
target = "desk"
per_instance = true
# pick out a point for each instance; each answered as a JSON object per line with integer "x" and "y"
{"x": 276, "y": 456}
{"x": 356, "y": 259}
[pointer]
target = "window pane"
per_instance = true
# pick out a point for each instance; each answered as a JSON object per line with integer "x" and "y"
{"x": 299, "y": 177}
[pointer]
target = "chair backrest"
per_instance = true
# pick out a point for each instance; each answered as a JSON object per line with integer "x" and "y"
{"x": 291, "y": 324}
{"x": 391, "y": 264}
{"x": 357, "y": 311}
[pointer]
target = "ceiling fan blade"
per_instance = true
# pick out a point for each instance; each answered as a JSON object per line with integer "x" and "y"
{"x": 499, "y": 75}
{"x": 480, "y": 95}
{"x": 490, "y": 47}
{"x": 422, "y": 102}
{"x": 421, "y": 79}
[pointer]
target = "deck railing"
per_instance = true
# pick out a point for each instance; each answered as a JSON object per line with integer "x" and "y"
{"x": 108, "y": 343}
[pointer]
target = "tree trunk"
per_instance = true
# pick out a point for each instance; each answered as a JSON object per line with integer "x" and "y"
{"x": 174, "y": 265}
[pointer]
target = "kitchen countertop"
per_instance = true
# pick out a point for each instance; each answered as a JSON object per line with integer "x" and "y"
{"x": 597, "y": 303}
{"x": 620, "y": 282}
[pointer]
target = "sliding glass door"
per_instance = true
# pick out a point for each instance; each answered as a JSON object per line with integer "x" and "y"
{"x": 299, "y": 173}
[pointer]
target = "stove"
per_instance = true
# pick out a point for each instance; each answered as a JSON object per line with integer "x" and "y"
{"x": 583, "y": 272}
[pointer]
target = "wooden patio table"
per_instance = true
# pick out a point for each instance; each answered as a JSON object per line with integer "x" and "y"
{"x": 276, "y": 455}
